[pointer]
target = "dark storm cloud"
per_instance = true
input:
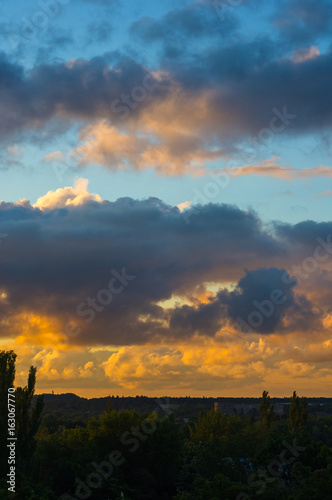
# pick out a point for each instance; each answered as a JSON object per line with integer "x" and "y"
{"x": 248, "y": 77}
{"x": 258, "y": 291}
{"x": 205, "y": 319}
{"x": 80, "y": 89}
{"x": 306, "y": 233}
{"x": 249, "y": 91}
{"x": 53, "y": 261}
{"x": 260, "y": 302}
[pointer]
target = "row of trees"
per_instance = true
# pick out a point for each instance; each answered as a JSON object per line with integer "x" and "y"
{"x": 298, "y": 412}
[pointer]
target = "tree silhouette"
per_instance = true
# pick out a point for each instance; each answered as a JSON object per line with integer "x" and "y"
{"x": 27, "y": 418}
{"x": 298, "y": 413}
{"x": 266, "y": 411}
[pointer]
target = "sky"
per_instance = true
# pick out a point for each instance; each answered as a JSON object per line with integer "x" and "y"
{"x": 166, "y": 192}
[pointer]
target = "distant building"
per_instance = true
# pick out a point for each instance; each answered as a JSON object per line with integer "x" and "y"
{"x": 216, "y": 406}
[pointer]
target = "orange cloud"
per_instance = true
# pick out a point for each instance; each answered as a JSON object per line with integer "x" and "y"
{"x": 169, "y": 134}
{"x": 302, "y": 55}
{"x": 326, "y": 193}
{"x": 56, "y": 156}
{"x": 199, "y": 366}
{"x": 270, "y": 168}
{"x": 183, "y": 206}
{"x": 63, "y": 197}
{"x": 167, "y": 150}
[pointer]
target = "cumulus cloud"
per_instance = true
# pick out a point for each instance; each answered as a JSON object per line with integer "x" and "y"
{"x": 63, "y": 197}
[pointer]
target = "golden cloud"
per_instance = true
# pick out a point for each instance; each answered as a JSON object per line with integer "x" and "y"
{"x": 62, "y": 197}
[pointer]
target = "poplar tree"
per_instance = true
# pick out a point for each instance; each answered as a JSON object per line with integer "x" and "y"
{"x": 266, "y": 410}
{"x": 27, "y": 417}
{"x": 298, "y": 412}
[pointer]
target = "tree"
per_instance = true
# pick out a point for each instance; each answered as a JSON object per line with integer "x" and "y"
{"x": 27, "y": 418}
{"x": 298, "y": 413}
{"x": 266, "y": 411}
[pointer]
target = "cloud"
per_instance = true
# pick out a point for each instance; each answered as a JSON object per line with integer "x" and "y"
{"x": 74, "y": 90}
{"x": 184, "y": 128}
{"x": 63, "y": 251}
{"x": 270, "y": 168}
{"x": 328, "y": 192}
{"x": 302, "y": 55}
{"x": 176, "y": 152}
{"x": 196, "y": 112}
{"x": 63, "y": 197}
{"x": 107, "y": 146}
{"x": 263, "y": 298}
{"x": 183, "y": 206}
{"x": 56, "y": 156}
{"x": 243, "y": 368}
{"x": 262, "y": 301}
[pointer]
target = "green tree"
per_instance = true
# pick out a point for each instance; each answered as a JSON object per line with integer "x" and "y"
{"x": 28, "y": 418}
{"x": 266, "y": 410}
{"x": 298, "y": 413}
